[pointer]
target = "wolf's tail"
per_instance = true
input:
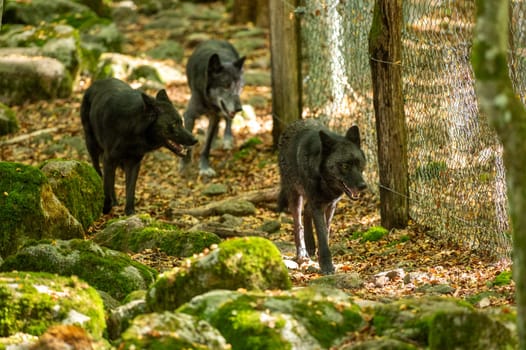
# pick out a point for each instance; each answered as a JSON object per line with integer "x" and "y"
{"x": 282, "y": 200}
{"x": 84, "y": 110}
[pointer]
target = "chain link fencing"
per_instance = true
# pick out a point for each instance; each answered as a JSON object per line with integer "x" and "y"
{"x": 457, "y": 180}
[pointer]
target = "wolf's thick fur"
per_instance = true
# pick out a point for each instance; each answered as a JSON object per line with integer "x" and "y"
{"x": 215, "y": 76}
{"x": 317, "y": 167}
{"x": 122, "y": 125}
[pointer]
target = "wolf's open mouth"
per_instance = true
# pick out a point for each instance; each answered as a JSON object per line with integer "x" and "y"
{"x": 352, "y": 193}
{"x": 176, "y": 148}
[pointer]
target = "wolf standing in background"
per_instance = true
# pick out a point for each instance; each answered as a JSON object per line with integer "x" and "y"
{"x": 122, "y": 125}
{"x": 317, "y": 166}
{"x": 215, "y": 76}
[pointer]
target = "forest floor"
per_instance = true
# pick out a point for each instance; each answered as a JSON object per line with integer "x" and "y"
{"x": 406, "y": 262}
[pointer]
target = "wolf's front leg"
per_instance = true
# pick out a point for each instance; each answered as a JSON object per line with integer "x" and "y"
{"x": 228, "y": 139}
{"x": 324, "y": 254}
{"x": 310, "y": 244}
{"x": 189, "y": 120}
{"x": 131, "y": 170}
{"x": 204, "y": 166}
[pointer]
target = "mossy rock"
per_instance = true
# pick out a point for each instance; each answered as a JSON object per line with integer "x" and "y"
{"x": 38, "y": 11}
{"x": 30, "y": 302}
{"x": 306, "y": 318}
{"x": 139, "y": 232}
{"x": 55, "y": 40}
{"x": 382, "y": 344}
{"x": 30, "y": 210}
{"x": 469, "y": 330}
{"x": 440, "y": 323}
{"x": 252, "y": 263}
{"x": 78, "y": 186}
{"x": 105, "y": 269}
{"x": 168, "y": 330}
{"x": 8, "y": 121}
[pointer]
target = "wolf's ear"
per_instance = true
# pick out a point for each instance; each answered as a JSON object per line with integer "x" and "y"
{"x": 149, "y": 102}
{"x": 148, "y": 116}
{"x": 162, "y": 96}
{"x": 353, "y": 135}
{"x": 214, "y": 64}
{"x": 327, "y": 142}
{"x": 239, "y": 63}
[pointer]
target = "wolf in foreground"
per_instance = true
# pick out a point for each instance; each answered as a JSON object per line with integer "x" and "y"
{"x": 215, "y": 76}
{"x": 317, "y": 167}
{"x": 121, "y": 125}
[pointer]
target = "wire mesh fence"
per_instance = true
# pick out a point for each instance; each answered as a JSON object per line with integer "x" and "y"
{"x": 457, "y": 178}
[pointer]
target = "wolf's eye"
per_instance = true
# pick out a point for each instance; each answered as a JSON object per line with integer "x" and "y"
{"x": 345, "y": 166}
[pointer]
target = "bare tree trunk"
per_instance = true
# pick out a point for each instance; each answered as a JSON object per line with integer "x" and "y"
{"x": 255, "y": 11}
{"x": 286, "y": 67}
{"x": 385, "y": 50}
{"x": 508, "y": 117}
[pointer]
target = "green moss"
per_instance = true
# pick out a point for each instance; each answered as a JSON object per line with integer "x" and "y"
{"x": 109, "y": 271}
{"x": 503, "y": 278}
{"x": 131, "y": 235}
{"x": 20, "y": 187}
{"x": 253, "y": 263}
{"x": 243, "y": 328}
{"x": 374, "y": 234}
{"x": 24, "y": 308}
{"x": 79, "y": 188}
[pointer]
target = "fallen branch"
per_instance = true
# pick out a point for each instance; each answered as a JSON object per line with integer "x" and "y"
{"x": 27, "y": 136}
{"x": 210, "y": 209}
{"x": 224, "y": 231}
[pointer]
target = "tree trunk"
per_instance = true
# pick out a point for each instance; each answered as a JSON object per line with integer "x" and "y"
{"x": 508, "y": 116}
{"x": 385, "y": 51}
{"x": 286, "y": 67}
{"x": 255, "y": 11}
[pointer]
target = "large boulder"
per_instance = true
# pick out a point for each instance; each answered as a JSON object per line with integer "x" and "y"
{"x": 107, "y": 270}
{"x": 139, "y": 232}
{"x": 168, "y": 330}
{"x": 37, "y": 11}
{"x": 53, "y": 40}
{"x": 305, "y": 318}
{"x": 25, "y": 78}
{"x": 251, "y": 263}
{"x": 29, "y": 209}
{"x": 8, "y": 121}
{"x": 31, "y": 302}
{"x": 125, "y": 67}
{"x": 78, "y": 186}
{"x": 442, "y": 323}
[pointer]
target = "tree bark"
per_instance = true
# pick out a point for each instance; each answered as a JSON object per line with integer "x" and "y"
{"x": 255, "y": 11}
{"x": 385, "y": 51}
{"x": 508, "y": 116}
{"x": 286, "y": 67}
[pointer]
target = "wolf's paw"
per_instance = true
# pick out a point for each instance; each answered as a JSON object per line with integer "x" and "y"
{"x": 207, "y": 172}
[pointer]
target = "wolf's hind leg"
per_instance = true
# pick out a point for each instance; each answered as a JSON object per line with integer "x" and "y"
{"x": 310, "y": 243}
{"x": 295, "y": 207}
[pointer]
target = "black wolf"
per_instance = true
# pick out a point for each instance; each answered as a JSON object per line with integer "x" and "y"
{"x": 122, "y": 125}
{"x": 215, "y": 76}
{"x": 317, "y": 166}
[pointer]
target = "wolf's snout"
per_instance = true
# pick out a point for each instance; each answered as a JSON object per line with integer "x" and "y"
{"x": 361, "y": 186}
